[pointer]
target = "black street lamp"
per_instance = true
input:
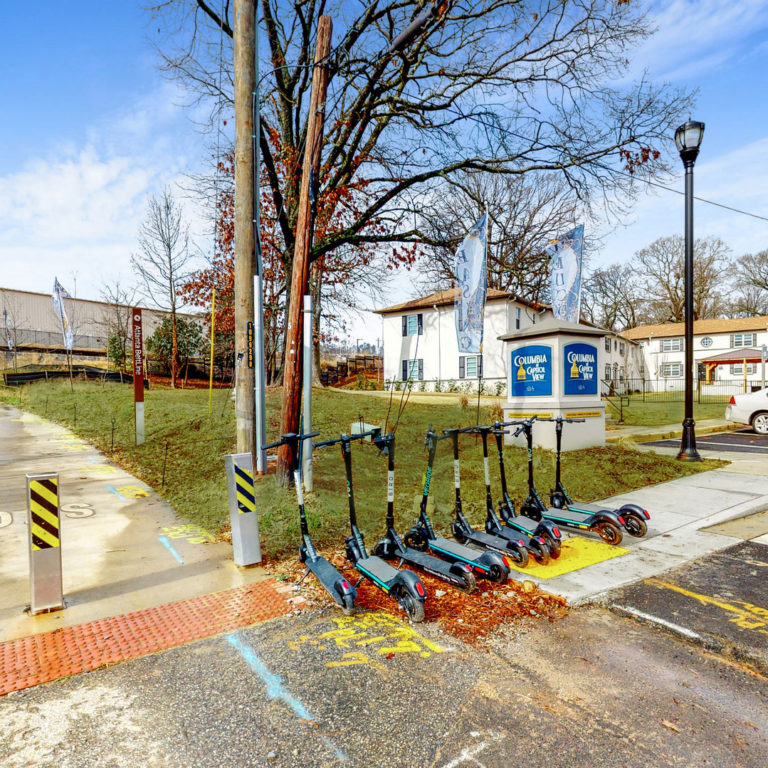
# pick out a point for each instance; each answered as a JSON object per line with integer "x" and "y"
{"x": 688, "y": 139}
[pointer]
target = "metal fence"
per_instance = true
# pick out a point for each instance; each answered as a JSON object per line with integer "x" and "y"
{"x": 673, "y": 390}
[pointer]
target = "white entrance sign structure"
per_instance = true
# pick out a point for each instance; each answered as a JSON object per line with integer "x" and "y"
{"x": 553, "y": 370}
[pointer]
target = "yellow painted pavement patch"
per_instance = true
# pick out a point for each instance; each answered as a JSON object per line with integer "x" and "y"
{"x": 574, "y": 555}
{"x": 133, "y": 491}
{"x": 366, "y": 637}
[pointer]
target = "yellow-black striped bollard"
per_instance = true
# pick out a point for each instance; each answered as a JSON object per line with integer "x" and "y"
{"x": 44, "y": 520}
{"x": 243, "y": 517}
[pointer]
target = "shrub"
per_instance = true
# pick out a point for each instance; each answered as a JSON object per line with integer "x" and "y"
{"x": 464, "y": 402}
{"x": 451, "y": 386}
{"x": 501, "y": 388}
{"x": 438, "y": 386}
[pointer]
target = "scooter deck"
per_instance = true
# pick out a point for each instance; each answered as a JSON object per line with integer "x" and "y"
{"x": 499, "y": 542}
{"x": 522, "y": 521}
{"x": 566, "y": 516}
{"x": 326, "y": 574}
{"x": 378, "y": 569}
{"x": 588, "y": 509}
{"x": 425, "y": 561}
{"x": 454, "y": 549}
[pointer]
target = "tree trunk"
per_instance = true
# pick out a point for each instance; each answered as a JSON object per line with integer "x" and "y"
{"x": 174, "y": 348}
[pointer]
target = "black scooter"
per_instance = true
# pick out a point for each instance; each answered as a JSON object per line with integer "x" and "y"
{"x": 391, "y": 547}
{"x": 543, "y": 536}
{"x": 606, "y": 524}
{"x": 333, "y": 582}
{"x": 403, "y": 586}
{"x": 488, "y": 565}
{"x": 633, "y": 514}
{"x": 505, "y": 540}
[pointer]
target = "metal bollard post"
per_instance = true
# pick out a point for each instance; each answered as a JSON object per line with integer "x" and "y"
{"x": 44, "y": 543}
{"x": 242, "y": 509}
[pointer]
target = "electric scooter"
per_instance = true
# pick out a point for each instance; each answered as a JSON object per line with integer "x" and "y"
{"x": 606, "y": 524}
{"x": 633, "y": 514}
{"x": 506, "y": 541}
{"x": 403, "y": 586}
{"x": 334, "y": 583}
{"x": 543, "y": 536}
{"x": 488, "y": 565}
{"x": 391, "y": 547}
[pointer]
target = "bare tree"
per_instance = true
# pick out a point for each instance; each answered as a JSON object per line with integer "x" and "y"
{"x": 117, "y": 318}
{"x": 162, "y": 264}
{"x": 507, "y": 87}
{"x": 752, "y": 270}
{"x": 748, "y": 301}
{"x": 525, "y": 214}
{"x": 661, "y": 266}
{"x": 611, "y": 297}
{"x": 12, "y": 322}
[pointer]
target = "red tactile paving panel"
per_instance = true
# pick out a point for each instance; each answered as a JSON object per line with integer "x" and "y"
{"x": 41, "y": 658}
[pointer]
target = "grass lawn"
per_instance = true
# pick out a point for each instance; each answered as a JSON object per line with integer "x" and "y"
{"x": 653, "y": 413}
{"x": 197, "y": 443}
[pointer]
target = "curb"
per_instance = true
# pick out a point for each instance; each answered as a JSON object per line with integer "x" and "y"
{"x": 668, "y": 435}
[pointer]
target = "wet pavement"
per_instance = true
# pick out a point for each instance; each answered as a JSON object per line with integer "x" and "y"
{"x": 593, "y": 689}
{"x": 719, "y": 600}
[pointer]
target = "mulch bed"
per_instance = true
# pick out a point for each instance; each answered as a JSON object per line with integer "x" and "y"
{"x": 470, "y": 618}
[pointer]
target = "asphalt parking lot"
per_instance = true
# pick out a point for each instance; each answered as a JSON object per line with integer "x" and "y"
{"x": 737, "y": 441}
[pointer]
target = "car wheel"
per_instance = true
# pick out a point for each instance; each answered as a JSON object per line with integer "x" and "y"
{"x": 760, "y": 423}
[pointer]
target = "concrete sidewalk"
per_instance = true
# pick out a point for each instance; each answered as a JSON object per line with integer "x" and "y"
{"x": 123, "y": 548}
{"x": 616, "y": 432}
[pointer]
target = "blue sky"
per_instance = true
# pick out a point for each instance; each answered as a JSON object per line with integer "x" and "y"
{"x": 89, "y": 128}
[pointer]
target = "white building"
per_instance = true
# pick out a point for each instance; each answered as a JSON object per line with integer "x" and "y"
{"x": 622, "y": 363}
{"x": 720, "y": 347}
{"x": 420, "y": 342}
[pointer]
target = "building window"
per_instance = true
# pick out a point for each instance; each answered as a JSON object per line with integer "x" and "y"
{"x": 413, "y": 325}
{"x": 615, "y": 345}
{"x": 706, "y": 341}
{"x": 607, "y": 344}
{"x": 607, "y": 372}
{"x": 517, "y": 319}
{"x": 671, "y": 370}
{"x": 621, "y": 348}
{"x": 743, "y": 339}
{"x": 738, "y": 370}
{"x": 471, "y": 367}
{"x": 413, "y": 369}
{"x": 672, "y": 345}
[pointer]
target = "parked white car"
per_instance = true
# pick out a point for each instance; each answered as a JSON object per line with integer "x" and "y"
{"x": 750, "y": 409}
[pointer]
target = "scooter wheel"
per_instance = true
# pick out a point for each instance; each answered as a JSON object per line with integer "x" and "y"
{"x": 635, "y": 525}
{"x": 540, "y": 553}
{"x": 457, "y": 533}
{"x": 554, "y": 547}
{"x": 470, "y": 583}
{"x": 498, "y": 574}
{"x": 414, "y": 608}
{"x": 348, "y": 606}
{"x": 608, "y": 532}
{"x": 517, "y": 554}
{"x": 415, "y": 540}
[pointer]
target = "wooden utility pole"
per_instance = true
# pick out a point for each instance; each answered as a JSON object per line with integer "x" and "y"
{"x": 244, "y": 241}
{"x": 292, "y": 368}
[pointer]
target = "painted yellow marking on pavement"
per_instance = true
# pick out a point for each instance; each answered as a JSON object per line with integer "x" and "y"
{"x": 102, "y": 469}
{"x": 133, "y": 491}
{"x": 377, "y": 632}
{"x": 748, "y": 616}
{"x": 575, "y": 554}
{"x": 582, "y": 414}
{"x": 193, "y": 533}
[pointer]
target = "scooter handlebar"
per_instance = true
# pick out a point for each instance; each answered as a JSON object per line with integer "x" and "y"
{"x": 348, "y": 438}
{"x": 289, "y": 437}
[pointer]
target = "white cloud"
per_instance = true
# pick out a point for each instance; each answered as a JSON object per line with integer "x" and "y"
{"x": 697, "y": 36}
{"x": 734, "y": 179}
{"x": 78, "y": 208}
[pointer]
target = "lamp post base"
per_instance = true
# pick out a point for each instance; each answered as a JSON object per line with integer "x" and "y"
{"x": 688, "y": 450}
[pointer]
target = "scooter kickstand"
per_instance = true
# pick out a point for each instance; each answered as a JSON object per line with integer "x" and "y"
{"x": 359, "y": 582}
{"x": 298, "y": 583}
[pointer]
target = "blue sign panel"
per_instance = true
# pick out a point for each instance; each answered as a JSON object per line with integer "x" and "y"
{"x": 532, "y": 370}
{"x": 579, "y": 369}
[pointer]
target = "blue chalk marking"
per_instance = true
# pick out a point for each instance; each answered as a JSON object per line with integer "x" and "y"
{"x": 117, "y": 493}
{"x": 167, "y": 544}
{"x": 275, "y": 689}
{"x": 93, "y": 461}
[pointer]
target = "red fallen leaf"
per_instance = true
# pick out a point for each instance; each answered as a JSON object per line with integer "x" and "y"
{"x": 390, "y": 655}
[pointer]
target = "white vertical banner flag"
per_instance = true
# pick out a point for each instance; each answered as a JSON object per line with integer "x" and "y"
{"x": 565, "y": 275}
{"x": 59, "y": 294}
{"x": 472, "y": 286}
{"x": 8, "y": 330}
